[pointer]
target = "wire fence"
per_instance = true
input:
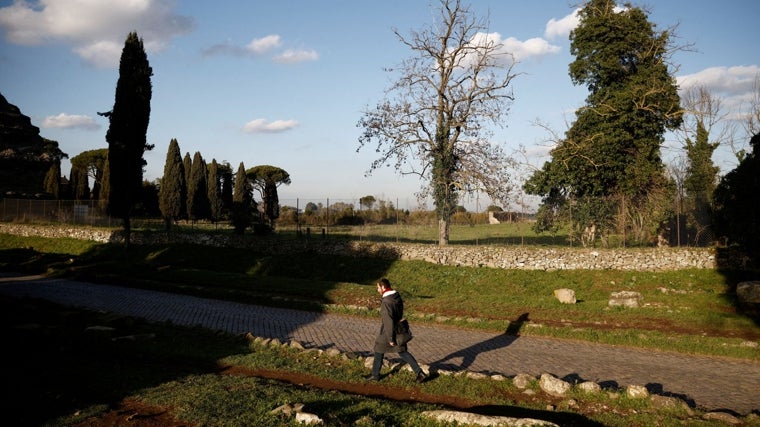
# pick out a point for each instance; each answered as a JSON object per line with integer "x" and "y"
{"x": 79, "y": 212}
{"x": 326, "y": 216}
{"x": 311, "y": 211}
{"x": 301, "y": 217}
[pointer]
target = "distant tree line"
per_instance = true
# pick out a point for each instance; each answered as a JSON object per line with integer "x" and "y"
{"x": 193, "y": 190}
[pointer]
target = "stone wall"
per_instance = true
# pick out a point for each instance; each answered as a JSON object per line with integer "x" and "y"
{"x": 508, "y": 257}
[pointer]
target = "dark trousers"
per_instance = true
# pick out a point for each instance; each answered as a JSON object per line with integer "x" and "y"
{"x": 404, "y": 355}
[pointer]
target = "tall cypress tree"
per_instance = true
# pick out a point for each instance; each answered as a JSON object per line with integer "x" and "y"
{"x": 80, "y": 186}
{"x": 701, "y": 180}
{"x": 225, "y": 171}
{"x": 92, "y": 161}
{"x": 242, "y": 201}
{"x": 197, "y": 190}
{"x": 187, "y": 163}
{"x": 266, "y": 179}
{"x": 173, "y": 192}
{"x": 214, "y": 191}
{"x": 105, "y": 187}
{"x": 53, "y": 179}
{"x": 127, "y": 130}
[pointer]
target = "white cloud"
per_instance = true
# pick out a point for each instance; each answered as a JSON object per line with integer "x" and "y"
{"x": 735, "y": 86}
{"x": 264, "y": 44}
{"x": 514, "y": 49}
{"x": 102, "y": 54}
{"x": 263, "y": 126}
{"x": 93, "y": 27}
{"x": 70, "y": 121}
{"x": 531, "y": 48}
{"x": 723, "y": 80}
{"x": 291, "y": 56}
{"x": 562, "y": 27}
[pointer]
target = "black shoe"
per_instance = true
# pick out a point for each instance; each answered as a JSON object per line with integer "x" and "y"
{"x": 371, "y": 378}
{"x": 421, "y": 377}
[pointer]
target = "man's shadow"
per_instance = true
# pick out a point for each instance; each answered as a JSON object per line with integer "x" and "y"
{"x": 469, "y": 354}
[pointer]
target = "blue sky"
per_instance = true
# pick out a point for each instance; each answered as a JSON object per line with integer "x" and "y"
{"x": 284, "y": 83}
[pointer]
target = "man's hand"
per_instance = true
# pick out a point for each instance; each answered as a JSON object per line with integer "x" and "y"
{"x": 392, "y": 344}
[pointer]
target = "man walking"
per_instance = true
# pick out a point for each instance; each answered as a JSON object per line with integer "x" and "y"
{"x": 391, "y": 312}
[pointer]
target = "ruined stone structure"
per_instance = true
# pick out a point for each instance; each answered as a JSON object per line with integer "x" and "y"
{"x": 25, "y": 156}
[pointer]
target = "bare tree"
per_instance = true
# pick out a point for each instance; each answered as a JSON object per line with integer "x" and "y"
{"x": 434, "y": 119}
{"x": 748, "y": 121}
{"x": 677, "y": 171}
{"x": 752, "y": 124}
{"x": 702, "y": 106}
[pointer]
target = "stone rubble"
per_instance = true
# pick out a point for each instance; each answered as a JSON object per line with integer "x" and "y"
{"x": 548, "y": 383}
{"x": 506, "y": 257}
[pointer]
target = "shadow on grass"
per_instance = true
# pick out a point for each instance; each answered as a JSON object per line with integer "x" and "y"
{"x": 301, "y": 279}
{"x": 64, "y": 360}
{"x": 59, "y": 364}
{"x": 28, "y": 260}
{"x": 738, "y": 266}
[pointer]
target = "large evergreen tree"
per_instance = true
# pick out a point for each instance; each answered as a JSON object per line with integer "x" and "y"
{"x": 266, "y": 179}
{"x": 80, "y": 186}
{"x": 737, "y": 213}
{"x": 53, "y": 180}
{"x": 225, "y": 173}
{"x": 187, "y": 162}
{"x": 173, "y": 191}
{"x": 242, "y": 201}
{"x": 128, "y": 129}
{"x": 214, "y": 191}
{"x": 608, "y": 170}
{"x": 700, "y": 181}
{"x": 105, "y": 187}
{"x": 197, "y": 190}
{"x": 92, "y": 161}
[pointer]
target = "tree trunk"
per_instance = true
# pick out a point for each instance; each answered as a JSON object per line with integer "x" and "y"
{"x": 127, "y": 231}
{"x": 443, "y": 232}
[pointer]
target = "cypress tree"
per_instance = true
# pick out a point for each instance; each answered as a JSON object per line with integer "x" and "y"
{"x": 700, "y": 182}
{"x": 225, "y": 171}
{"x": 53, "y": 180}
{"x": 187, "y": 162}
{"x": 105, "y": 187}
{"x": 242, "y": 201}
{"x": 92, "y": 161}
{"x": 197, "y": 190}
{"x": 127, "y": 130}
{"x": 173, "y": 191}
{"x": 187, "y": 165}
{"x": 214, "y": 191}
{"x": 79, "y": 183}
{"x": 266, "y": 179}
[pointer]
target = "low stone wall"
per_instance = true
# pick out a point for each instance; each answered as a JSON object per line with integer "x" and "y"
{"x": 507, "y": 257}
{"x": 82, "y": 233}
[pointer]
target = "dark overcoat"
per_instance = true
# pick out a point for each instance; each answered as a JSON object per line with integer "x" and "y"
{"x": 391, "y": 312}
